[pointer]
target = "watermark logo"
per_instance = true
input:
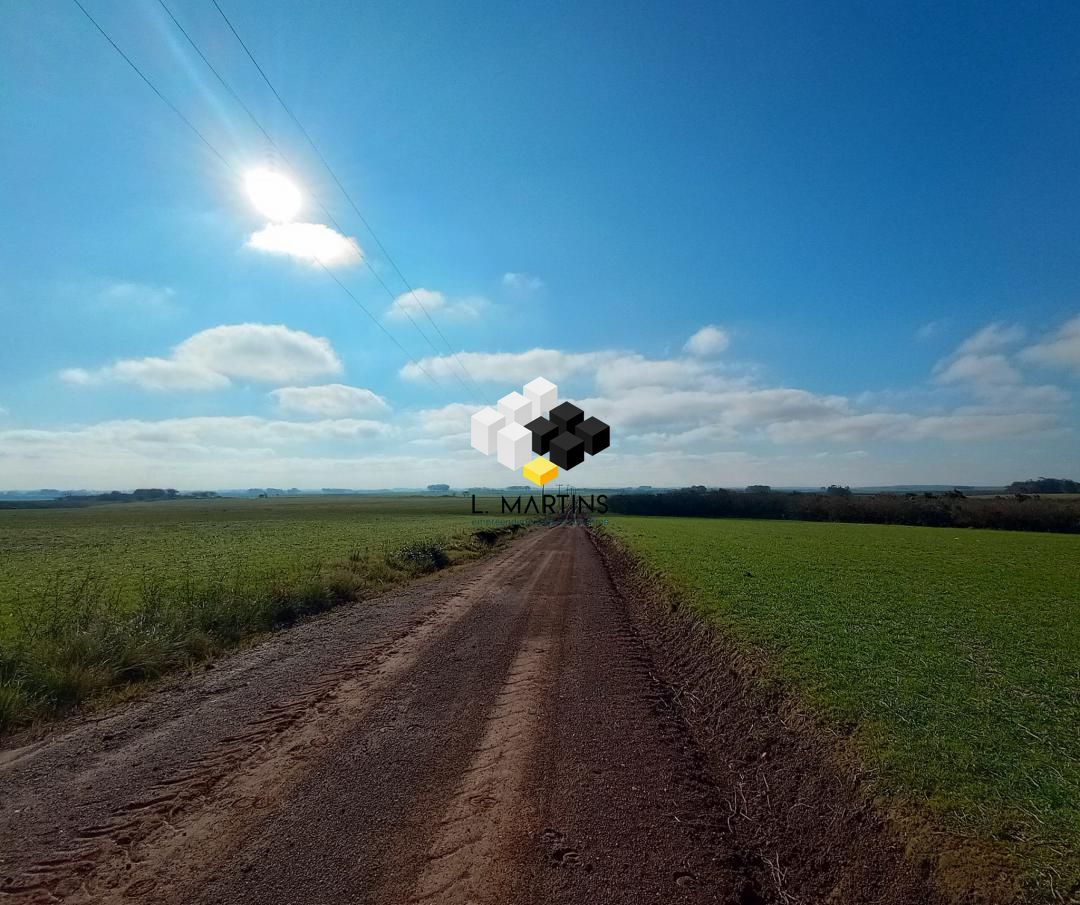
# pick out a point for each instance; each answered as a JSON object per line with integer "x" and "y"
{"x": 525, "y": 427}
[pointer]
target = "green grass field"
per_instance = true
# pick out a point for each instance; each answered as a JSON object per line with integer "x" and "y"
{"x": 95, "y": 599}
{"x": 127, "y": 544}
{"x": 953, "y": 655}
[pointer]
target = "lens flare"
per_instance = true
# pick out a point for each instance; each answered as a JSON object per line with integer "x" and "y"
{"x": 274, "y": 195}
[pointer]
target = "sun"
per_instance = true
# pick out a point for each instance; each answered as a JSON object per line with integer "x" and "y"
{"x": 275, "y": 196}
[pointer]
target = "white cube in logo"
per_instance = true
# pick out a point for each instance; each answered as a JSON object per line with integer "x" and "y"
{"x": 544, "y": 395}
{"x": 516, "y": 408}
{"x": 485, "y": 426}
{"x": 514, "y": 445}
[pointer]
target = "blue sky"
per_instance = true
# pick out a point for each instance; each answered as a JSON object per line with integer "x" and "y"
{"x": 872, "y": 209}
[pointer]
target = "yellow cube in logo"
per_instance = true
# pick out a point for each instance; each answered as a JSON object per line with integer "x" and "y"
{"x": 540, "y": 471}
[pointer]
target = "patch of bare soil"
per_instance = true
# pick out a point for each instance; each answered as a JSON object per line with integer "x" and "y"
{"x": 797, "y": 804}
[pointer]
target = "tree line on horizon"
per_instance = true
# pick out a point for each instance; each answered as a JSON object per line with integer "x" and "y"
{"x": 1018, "y": 511}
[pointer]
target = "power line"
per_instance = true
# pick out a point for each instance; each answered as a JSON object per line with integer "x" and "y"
{"x": 230, "y": 168}
{"x": 232, "y": 92}
{"x": 187, "y": 122}
{"x": 344, "y": 191}
{"x": 375, "y": 320}
{"x": 224, "y": 84}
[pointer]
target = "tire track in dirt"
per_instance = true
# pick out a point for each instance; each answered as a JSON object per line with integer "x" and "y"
{"x": 628, "y": 812}
{"x": 125, "y": 854}
{"x": 491, "y": 813}
{"x": 369, "y": 814}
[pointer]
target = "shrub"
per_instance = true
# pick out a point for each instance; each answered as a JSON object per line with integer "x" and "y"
{"x": 423, "y": 557}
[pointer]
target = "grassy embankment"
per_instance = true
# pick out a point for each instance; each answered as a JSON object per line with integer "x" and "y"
{"x": 953, "y": 656}
{"x": 94, "y": 601}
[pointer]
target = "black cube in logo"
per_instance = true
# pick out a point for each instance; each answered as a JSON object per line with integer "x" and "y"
{"x": 543, "y": 432}
{"x": 566, "y": 450}
{"x": 595, "y": 434}
{"x": 534, "y": 423}
{"x": 567, "y": 415}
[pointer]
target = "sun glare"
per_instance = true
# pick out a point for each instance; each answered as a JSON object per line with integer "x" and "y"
{"x": 275, "y": 196}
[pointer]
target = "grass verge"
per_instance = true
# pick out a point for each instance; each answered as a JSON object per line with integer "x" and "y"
{"x": 949, "y": 658}
{"x": 86, "y": 639}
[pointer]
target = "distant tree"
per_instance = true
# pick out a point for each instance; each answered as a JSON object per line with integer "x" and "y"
{"x": 759, "y": 488}
{"x": 837, "y": 490}
{"x": 438, "y": 488}
{"x": 1045, "y": 485}
{"x": 1017, "y": 512}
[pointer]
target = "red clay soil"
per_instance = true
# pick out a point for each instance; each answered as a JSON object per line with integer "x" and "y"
{"x": 515, "y": 731}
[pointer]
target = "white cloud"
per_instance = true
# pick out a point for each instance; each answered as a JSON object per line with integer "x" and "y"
{"x": 416, "y": 302}
{"x": 993, "y": 376}
{"x": 149, "y": 373}
{"x": 264, "y": 352}
{"x": 333, "y": 400}
{"x": 978, "y": 369}
{"x": 693, "y": 438}
{"x": 80, "y": 458}
{"x": 1060, "y": 349}
{"x": 710, "y": 340}
{"x": 268, "y": 353}
{"x": 446, "y": 427}
{"x": 448, "y": 419}
{"x": 678, "y": 420}
{"x": 221, "y": 452}
{"x": 522, "y": 282}
{"x": 513, "y": 367}
{"x": 658, "y": 409}
{"x": 610, "y": 370}
{"x": 687, "y": 401}
{"x": 178, "y": 435}
{"x": 990, "y": 338}
{"x": 249, "y": 451}
{"x": 1017, "y": 397}
{"x": 312, "y": 242}
{"x": 899, "y": 426}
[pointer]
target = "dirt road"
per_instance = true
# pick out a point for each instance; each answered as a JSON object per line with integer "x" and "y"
{"x": 497, "y": 734}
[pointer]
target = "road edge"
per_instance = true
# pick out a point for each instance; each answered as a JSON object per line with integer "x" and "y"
{"x": 107, "y": 702}
{"x": 710, "y": 683}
